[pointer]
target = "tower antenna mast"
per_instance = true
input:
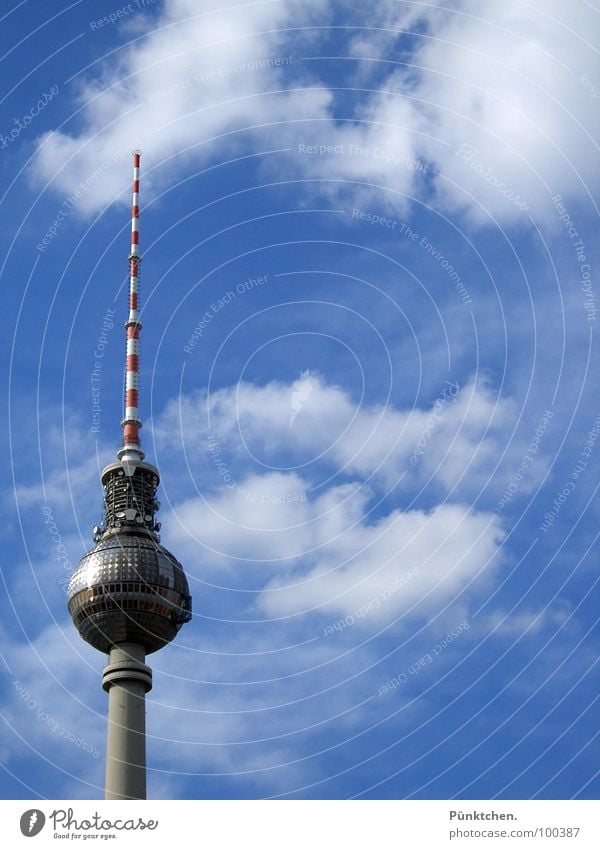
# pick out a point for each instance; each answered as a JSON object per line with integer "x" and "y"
{"x": 131, "y": 423}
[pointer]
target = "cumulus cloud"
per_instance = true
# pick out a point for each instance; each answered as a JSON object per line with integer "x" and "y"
{"x": 407, "y": 562}
{"x": 525, "y": 622}
{"x": 326, "y": 554}
{"x": 451, "y": 443}
{"x": 200, "y": 71}
{"x": 492, "y": 102}
{"x": 505, "y": 81}
{"x": 488, "y": 108}
{"x": 326, "y": 546}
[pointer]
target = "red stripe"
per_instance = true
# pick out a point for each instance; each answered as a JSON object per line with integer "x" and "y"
{"x": 133, "y": 331}
{"x": 136, "y": 186}
{"x": 132, "y": 362}
{"x": 131, "y": 398}
{"x": 135, "y": 237}
{"x": 135, "y": 212}
{"x": 133, "y": 300}
{"x": 131, "y": 434}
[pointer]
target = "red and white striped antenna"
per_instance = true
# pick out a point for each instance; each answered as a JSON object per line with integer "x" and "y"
{"x": 131, "y": 450}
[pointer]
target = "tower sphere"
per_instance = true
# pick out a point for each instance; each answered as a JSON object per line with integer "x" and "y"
{"x": 128, "y": 588}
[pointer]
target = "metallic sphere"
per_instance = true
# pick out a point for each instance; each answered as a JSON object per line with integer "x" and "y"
{"x": 128, "y": 588}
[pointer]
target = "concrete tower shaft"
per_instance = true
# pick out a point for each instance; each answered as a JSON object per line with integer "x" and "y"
{"x": 126, "y": 679}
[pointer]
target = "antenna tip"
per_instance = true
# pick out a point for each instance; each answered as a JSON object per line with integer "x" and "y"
{"x": 136, "y": 152}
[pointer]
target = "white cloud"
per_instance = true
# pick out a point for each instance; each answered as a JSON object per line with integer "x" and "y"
{"x": 374, "y": 157}
{"x": 200, "y": 71}
{"x": 453, "y": 445}
{"x": 407, "y": 562}
{"x": 506, "y": 81}
{"x": 492, "y": 100}
{"x": 326, "y": 556}
{"x": 505, "y": 78}
{"x": 256, "y": 520}
{"x": 524, "y": 622}
{"x": 326, "y": 548}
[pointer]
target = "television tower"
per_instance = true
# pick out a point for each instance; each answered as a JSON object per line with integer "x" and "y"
{"x": 129, "y": 596}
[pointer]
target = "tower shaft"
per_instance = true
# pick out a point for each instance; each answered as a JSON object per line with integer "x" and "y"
{"x": 127, "y": 680}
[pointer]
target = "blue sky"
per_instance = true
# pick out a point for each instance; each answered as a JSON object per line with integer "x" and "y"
{"x": 368, "y": 380}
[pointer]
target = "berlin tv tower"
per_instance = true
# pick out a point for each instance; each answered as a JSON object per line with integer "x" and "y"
{"x": 129, "y": 596}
